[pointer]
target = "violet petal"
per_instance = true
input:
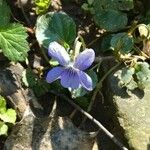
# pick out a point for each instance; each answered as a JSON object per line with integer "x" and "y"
{"x": 59, "y": 53}
{"x": 85, "y": 80}
{"x": 70, "y": 79}
{"x": 85, "y": 59}
{"x": 54, "y": 74}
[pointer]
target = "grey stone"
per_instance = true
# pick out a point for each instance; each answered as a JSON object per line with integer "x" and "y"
{"x": 50, "y": 133}
{"x": 131, "y": 109}
{"x": 45, "y": 133}
{"x": 11, "y": 87}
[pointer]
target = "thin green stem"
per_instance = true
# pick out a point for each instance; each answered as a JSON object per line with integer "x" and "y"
{"x": 92, "y": 42}
{"x": 82, "y": 41}
{"x": 96, "y": 66}
{"x": 44, "y": 55}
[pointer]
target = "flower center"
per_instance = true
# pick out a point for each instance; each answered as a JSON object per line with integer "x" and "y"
{"x": 70, "y": 67}
{"x": 71, "y": 64}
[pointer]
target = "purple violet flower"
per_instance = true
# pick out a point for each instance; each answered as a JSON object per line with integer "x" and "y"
{"x": 71, "y": 73}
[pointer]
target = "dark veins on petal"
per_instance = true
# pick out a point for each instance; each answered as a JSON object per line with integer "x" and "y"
{"x": 71, "y": 72}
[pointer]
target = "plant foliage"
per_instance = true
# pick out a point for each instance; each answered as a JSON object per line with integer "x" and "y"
{"x": 137, "y": 76}
{"x": 6, "y": 116}
{"x": 4, "y": 9}
{"x": 126, "y": 36}
{"x": 32, "y": 81}
{"x": 55, "y": 27}
{"x": 41, "y": 6}
{"x": 109, "y": 14}
{"x": 81, "y": 91}
{"x": 12, "y": 36}
{"x": 122, "y": 42}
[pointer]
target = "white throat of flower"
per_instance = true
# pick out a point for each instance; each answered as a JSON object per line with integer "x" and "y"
{"x": 71, "y": 67}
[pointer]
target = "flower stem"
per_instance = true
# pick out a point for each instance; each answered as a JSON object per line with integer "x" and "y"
{"x": 77, "y": 46}
{"x": 76, "y": 49}
{"x": 44, "y": 55}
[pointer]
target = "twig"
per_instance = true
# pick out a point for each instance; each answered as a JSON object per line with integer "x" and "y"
{"x": 98, "y": 87}
{"x": 100, "y": 58}
{"x": 73, "y": 113}
{"x": 24, "y": 14}
{"x": 110, "y": 135}
{"x": 92, "y": 42}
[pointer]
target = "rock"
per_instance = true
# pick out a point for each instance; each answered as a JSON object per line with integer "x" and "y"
{"x": 49, "y": 133}
{"x": 11, "y": 87}
{"x": 33, "y": 132}
{"x": 17, "y": 96}
{"x": 132, "y": 111}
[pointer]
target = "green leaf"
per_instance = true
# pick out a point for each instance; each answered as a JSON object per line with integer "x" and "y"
{"x": 9, "y": 116}
{"x": 39, "y": 86}
{"x": 110, "y": 20}
{"x": 85, "y": 6}
{"x": 127, "y": 75}
{"x": 4, "y": 13}
{"x": 93, "y": 75}
{"x": 13, "y": 42}
{"x": 105, "y": 45}
{"x": 113, "y": 4}
{"x": 125, "y": 4}
{"x": 139, "y": 76}
{"x": 81, "y": 91}
{"x": 143, "y": 74}
{"x": 104, "y": 4}
{"x": 28, "y": 78}
{"x": 90, "y": 2}
{"x": 146, "y": 18}
{"x": 109, "y": 15}
{"x": 41, "y": 6}
{"x": 55, "y": 27}
{"x": 132, "y": 85}
{"x": 83, "y": 102}
{"x": 2, "y": 105}
{"x": 127, "y": 79}
{"x": 143, "y": 67}
{"x": 3, "y": 128}
{"x": 122, "y": 42}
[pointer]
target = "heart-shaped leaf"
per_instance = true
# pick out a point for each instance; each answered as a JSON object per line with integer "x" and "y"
{"x": 110, "y": 20}
{"x": 122, "y": 42}
{"x": 56, "y": 26}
